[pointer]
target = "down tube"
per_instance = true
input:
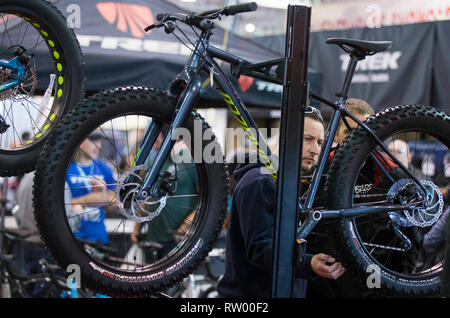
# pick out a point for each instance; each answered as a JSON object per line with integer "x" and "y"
{"x": 243, "y": 117}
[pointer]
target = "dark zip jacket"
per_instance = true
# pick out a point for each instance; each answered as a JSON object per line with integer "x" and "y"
{"x": 248, "y": 260}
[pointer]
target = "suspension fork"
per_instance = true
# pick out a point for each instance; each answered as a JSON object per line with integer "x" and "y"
{"x": 187, "y": 101}
{"x": 146, "y": 146}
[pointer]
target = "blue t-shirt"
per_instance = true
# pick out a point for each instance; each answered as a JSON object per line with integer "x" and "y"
{"x": 79, "y": 178}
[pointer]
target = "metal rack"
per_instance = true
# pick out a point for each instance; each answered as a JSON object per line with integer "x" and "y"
{"x": 295, "y": 92}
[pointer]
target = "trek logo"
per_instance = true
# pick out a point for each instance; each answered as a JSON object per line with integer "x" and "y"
{"x": 382, "y": 61}
{"x": 377, "y": 65}
{"x": 245, "y": 82}
{"x": 126, "y": 16}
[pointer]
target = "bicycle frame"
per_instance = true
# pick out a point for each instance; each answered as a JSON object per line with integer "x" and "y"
{"x": 202, "y": 60}
{"x": 17, "y": 67}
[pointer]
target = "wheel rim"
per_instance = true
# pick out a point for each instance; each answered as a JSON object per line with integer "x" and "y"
{"x": 182, "y": 215}
{"x": 23, "y": 107}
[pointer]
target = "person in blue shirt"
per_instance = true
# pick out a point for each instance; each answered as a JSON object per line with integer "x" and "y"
{"x": 91, "y": 184}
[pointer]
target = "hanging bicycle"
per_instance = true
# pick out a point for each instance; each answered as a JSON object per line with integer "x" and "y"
{"x": 175, "y": 188}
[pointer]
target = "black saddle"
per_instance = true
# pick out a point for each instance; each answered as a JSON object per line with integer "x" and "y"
{"x": 358, "y": 47}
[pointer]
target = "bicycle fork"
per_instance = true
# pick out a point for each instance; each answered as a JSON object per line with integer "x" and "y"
{"x": 187, "y": 101}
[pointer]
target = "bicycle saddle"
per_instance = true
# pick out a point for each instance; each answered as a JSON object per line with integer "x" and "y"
{"x": 359, "y": 47}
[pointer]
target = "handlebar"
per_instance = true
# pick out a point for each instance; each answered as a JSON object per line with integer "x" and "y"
{"x": 240, "y": 8}
{"x": 195, "y": 19}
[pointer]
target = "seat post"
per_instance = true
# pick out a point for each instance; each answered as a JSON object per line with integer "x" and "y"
{"x": 348, "y": 76}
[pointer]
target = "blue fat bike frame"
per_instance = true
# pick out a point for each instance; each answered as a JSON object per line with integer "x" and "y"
{"x": 202, "y": 62}
{"x": 18, "y": 69}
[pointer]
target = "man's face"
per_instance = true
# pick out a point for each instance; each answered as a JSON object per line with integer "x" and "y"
{"x": 312, "y": 143}
{"x": 400, "y": 150}
{"x": 343, "y": 132}
{"x": 91, "y": 148}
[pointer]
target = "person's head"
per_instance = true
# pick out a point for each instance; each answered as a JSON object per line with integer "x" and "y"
{"x": 360, "y": 109}
{"x": 159, "y": 140}
{"x": 313, "y": 136}
{"x": 400, "y": 150}
{"x": 90, "y": 148}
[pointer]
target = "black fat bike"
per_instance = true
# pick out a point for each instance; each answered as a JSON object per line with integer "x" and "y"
{"x": 128, "y": 151}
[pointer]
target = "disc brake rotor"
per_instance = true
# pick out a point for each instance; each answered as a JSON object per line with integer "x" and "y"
{"x": 426, "y": 214}
{"x": 127, "y": 198}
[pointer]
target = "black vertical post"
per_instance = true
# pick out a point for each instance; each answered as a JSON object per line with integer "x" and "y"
{"x": 291, "y": 136}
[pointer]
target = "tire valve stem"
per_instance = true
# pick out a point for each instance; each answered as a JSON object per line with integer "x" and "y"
{"x": 42, "y": 113}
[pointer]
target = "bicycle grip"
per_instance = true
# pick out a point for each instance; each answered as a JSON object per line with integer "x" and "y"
{"x": 239, "y": 8}
{"x": 150, "y": 27}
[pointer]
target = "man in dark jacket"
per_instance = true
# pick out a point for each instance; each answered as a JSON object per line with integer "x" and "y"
{"x": 248, "y": 261}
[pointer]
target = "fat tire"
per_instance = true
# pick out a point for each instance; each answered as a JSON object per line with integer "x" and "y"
{"x": 50, "y": 213}
{"x": 342, "y": 173}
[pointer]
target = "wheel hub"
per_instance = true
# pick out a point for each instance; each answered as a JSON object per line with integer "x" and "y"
{"x": 127, "y": 198}
{"x": 21, "y": 70}
{"x": 406, "y": 191}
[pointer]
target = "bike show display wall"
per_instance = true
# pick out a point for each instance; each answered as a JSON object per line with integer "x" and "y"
{"x": 414, "y": 70}
{"x": 118, "y": 52}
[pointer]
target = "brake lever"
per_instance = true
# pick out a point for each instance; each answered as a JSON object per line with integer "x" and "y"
{"x": 169, "y": 27}
{"x": 153, "y": 26}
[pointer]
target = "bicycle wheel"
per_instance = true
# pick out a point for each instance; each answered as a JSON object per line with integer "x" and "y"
{"x": 399, "y": 251}
{"x": 41, "y": 77}
{"x": 179, "y": 224}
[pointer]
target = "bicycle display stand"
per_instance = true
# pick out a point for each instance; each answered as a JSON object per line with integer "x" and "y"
{"x": 3, "y": 291}
{"x": 295, "y": 92}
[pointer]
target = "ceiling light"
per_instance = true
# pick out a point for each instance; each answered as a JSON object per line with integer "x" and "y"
{"x": 250, "y": 27}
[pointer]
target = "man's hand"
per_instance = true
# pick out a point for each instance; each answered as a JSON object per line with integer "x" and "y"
{"x": 320, "y": 267}
{"x": 98, "y": 185}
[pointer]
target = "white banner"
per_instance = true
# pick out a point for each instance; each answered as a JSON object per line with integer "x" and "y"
{"x": 377, "y": 13}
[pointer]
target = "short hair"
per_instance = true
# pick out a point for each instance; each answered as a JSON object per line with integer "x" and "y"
{"x": 358, "y": 106}
{"x": 274, "y": 142}
{"x": 315, "y": 116}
